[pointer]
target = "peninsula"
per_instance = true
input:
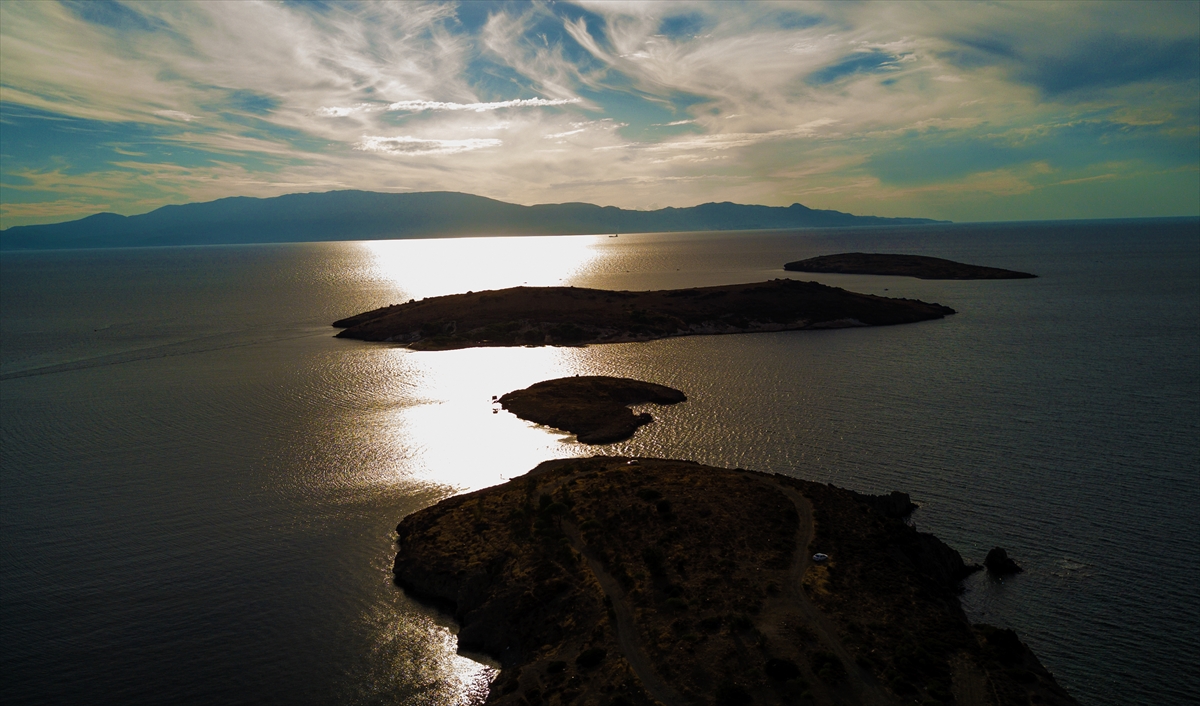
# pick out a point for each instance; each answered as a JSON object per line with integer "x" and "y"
{"x": 574, "y": 316}
{"x": 919, "y": 266}
{"x": 624, "y": 581}
{"x": 595, "y": 408}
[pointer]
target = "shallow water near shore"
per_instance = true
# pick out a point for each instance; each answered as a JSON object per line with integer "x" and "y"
{"x": 200, "y": 484}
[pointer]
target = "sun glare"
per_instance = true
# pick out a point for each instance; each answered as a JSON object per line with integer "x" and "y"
{"x": 450, "y": 431}
{"x": 430, "y": 268}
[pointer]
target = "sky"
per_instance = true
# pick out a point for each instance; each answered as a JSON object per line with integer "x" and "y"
{"x": 960, "y": 111}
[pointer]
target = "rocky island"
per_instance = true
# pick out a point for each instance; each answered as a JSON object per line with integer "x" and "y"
{"x": 574, "y": 316}
{"x": 595, "y": 408}
{"x": 919, "y": 266}
{"x": 617, "y": 581}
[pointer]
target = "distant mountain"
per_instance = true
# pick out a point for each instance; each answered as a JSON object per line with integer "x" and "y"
{"x": 367, "y": 215}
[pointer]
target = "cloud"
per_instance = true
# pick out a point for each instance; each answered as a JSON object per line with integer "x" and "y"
{"x": 415, "y": 106}
{"x": 335, "y": 112}
{"x": 761, "y": 102}
{"x": 417, "y": 146}
{"x": 176, "y": 115}
{"x": 859, "y": 63}
{"x": 729, "y": 141}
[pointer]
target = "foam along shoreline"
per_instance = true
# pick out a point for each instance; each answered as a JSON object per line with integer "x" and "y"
{"x": 540, "y": 316}
{"x": 919, "y": 266}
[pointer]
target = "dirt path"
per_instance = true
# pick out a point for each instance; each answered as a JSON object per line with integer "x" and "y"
{"x": 627, "y": 640}
{"x": 626, "y": 632}
{"x": 861, "y": 681}
{"x": 865, "y": 687}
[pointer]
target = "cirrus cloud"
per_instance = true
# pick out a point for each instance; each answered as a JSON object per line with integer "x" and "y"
{"x": 894, "y": 102}
{"x": 407, "y": 145}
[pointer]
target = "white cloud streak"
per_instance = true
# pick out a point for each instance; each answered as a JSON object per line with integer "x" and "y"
{"x": 176, "y": 115}
{"x": 415, "y": 146}
{"x": 421, "y": 105}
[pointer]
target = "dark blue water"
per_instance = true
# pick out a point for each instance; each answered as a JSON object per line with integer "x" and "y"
{"x": 199, "y": 483}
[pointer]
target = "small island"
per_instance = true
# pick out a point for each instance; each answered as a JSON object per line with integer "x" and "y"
{"x": 631, "y": 582}
{"x": 919, "y": 266}
{"x": 595, "y": 408}
{"x": 540, "y": 316}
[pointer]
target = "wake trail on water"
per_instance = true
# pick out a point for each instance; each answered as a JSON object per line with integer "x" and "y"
{"x": 203, "y": 344}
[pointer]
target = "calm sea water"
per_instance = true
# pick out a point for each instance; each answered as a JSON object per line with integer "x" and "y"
{"x": 199, "y": 484}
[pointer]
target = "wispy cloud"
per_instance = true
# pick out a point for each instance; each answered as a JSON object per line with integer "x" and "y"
{"x": 844, "y": 104}
{"x": 417, "y": 106}
{"x": 175, "y": 115}
{"x": 415, "y": 146}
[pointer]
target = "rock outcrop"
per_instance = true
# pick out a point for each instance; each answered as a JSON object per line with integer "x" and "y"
{"x": 998, "y": 563}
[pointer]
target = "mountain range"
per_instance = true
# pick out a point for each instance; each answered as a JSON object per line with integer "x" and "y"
{"x": 367, "y": 215}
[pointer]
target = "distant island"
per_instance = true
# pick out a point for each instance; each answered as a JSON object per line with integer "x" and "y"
{"x": 595, "y": 408}
{"x": 634, "y": 582}
{"x": 919, "y": 266}
{"x": 367, "y": 215}
{"x": 574, "y": 316}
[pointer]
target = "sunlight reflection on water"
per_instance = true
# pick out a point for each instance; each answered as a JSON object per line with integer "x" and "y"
{"x": 428, "y": 268}
{"x": 455, "y": 435}
{"x": 441, "y": 427}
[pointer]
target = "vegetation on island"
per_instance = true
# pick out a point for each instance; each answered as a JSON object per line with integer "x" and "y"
{"x": 919, "y": 266}
{"x": 622, "y": 582}
{"x": 573, "y": 316}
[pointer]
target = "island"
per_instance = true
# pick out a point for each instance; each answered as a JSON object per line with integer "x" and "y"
{"x": 595, "y": 408}
{"x": 574, "y": 316}
{"x": 919, "y": 266}
{"x": 635, "y": 581}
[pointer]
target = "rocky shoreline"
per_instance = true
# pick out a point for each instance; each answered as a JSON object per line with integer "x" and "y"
{"x": 612, "y": 580}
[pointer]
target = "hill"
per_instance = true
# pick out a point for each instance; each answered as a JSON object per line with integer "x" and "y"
{"x": 640, "y": 581}
{"x": 366, "y": 215}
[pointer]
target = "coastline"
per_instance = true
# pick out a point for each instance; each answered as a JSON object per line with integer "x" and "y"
{"x": 664, "y": 581}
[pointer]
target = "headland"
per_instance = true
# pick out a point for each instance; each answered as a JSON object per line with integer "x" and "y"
{"x": 595, "y": 408}
{"x": 919, "y": 266}
{"x": 575, "y": 316}
{"x": 639, "y": 581}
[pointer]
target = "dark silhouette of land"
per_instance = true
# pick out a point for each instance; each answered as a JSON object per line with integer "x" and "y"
{"x": 574, "y": 316}
{"x": 366, "y": 215}
{"x": 919, "y": 266}
{"x": 595, "y": 408}
{"x": 639, "y": 581}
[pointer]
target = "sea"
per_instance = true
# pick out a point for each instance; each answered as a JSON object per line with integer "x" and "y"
{"x": 199, "y": 484}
